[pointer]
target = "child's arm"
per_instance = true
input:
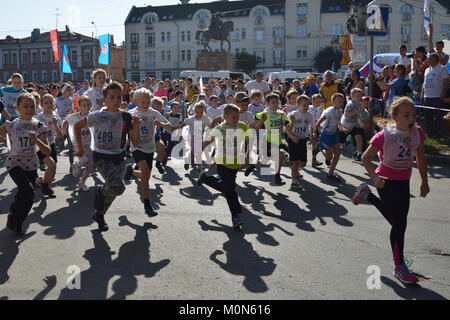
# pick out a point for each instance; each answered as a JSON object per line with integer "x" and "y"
{"x": 2, "y": 130}
{"x": 316, "y": 129}
{"x": 165, "y": 125}
{"x": 422, "y": 165}
{"x": 41, "y": 142}
{"x": 367, "y": 162}
{"x": 134, "y": 134}
{"x": 59, "y": 133}
{"x": 261, "y": 122}
{"x": 182, "y": 125}
{"x": 77, "y": 131}
{"x": 215, "y": 121}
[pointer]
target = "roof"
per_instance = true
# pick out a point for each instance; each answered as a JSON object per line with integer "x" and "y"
{"x": 336, "y": 6}
{"x": 45, "y": 37}
{"x": 186, "y": 11}
{"x": 445, "y": 4}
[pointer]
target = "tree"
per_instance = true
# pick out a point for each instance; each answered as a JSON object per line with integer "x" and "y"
{"x": 324, "y": 59}
{"x": 246, "y": 62}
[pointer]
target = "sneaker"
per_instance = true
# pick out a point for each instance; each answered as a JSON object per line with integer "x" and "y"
{"x": 362, "y": 192}
{"x": 297, "y": 186}
{"x": 279, "y": 181}
{"x": 99, "y": 201}
{"x": 42, "y": 167}
{"x": 149, "y": 210}
{"x": 316, "y": 163}
{"x": 10, "y": 224}
{"x": 237, "y": 222}
{"x": 76, "y": 171}
{"x": 249, "y": 170}
{"x": 160, "y": 167}
{"x": 186, "y": 167}
{"x": 359, "y": 158}
{"x": 333, "y": 177}
{"x": 355, "y": 156}
{"x": 403, "y": 274}
{"x": 100, "y": 219}
{"x": 19, "y": 232}
{"x": 201, "y": 177}
{"x": 47, "y": 191}
{"x": 83, "y": 187}
{"x": 328, "y": 162}
{"x": 128, "y": 173}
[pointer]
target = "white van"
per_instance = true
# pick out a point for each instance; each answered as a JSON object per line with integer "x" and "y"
{"x": 221, "y": 74}
{"x": 289, "y": 75}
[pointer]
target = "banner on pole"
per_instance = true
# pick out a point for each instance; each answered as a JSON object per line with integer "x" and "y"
{"x": 104, "y": 49}
{"x": 55, "y": 45}
{"x": 66, "y": 62}
{"x": 427, "y": 15}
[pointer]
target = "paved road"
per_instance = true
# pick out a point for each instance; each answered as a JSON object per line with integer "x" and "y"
{"x": 309, "y": 245}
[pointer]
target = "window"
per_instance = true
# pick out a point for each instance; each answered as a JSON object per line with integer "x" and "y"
{"x": 236, "y": 34}
{"x": 260, "y": 56}
{"x": 236, "y": 51}
{"x": 150, "y": 39}
{"x": 406, "y": 29}
{"x": 44, "y": 58}
{"x": 359, "y": 39}
{"x": 135, "y": 57}
{"x": 14, "y": 58}
{"x": 150, "y": 59}
{"x": 302, "y": 31}
{"x": 34, "y": 76}
{"x": 163, "y": 36}
{"x": 87, "y": 56}
{"x": 5, "y": 58}
{"x": 277, "y": 56}
{"x": 74, "y": 75}
{"x": 183, "y": 55}
{"x": 74, "y": 55}
{"x": 302, "y": 53}
{"x": 34, "y": 58}
{"x": 445, "y": 29}
{"x": 168, "y": 36}
{"x": 183, "y": 38}
{"x": 188, "y": 35}
{"x": 360, "y": 55}
{"x": 278, "y": 32}
{"x": 136, "y": 76}
{"x": 44, "y": 76}
{"x": 383, "y": 49}
{"x": 244, "y": 34}
{"x": 54, "y": 76}
{"x": 163, "y": 56}
{"x": 189, "y": 55}
{"x": 169, "y": 58}
{"x": 135, "y": 38}
{"x": 259, "y": 36}
{"x": 24, "y": 58}
{"x": 302, "y": 9}
{"x": 25, "y": 76}
{"x": 87, "y": 75}
{"x": 337, "y": 30}
{"x": 406, "y": 10}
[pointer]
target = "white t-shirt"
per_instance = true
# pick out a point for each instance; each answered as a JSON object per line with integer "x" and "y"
{"x": 147, "y": 129}
{"x": 64, "y": 107}
{"x": 198, "y": 124}
{"x": 214, "y": 112}
{"x": 333, "y": 117}
{"x": 302, "y": 123}
{"x": 434, "y": 81}
{"x": 255, "y": 109}
{"x": 351, "y": 122}
{"x": 407, "y": 62}
{"x": 85, "y": 133}
{"x": 316, "y": 112}
{"x": 263, "y": 86}
{"x": 247, "y": 117}
{"x": 47, "y": 120}
{"x": 95, "y": 94}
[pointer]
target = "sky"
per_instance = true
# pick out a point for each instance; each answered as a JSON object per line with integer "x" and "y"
{"x": 108, "y": 15}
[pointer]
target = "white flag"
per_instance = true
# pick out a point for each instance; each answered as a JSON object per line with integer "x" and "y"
{"x": 201, "y": 85}
{"x": 427, "y": 16}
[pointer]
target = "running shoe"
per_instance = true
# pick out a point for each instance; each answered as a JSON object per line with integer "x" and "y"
{"x": 355, "y": 156}
{"x": 186, "y": 167}
{"x": 362, "y": 192}
{"x": 249, "y": 170}
{"x": 201, "y": 177}
{"x": 76, "y": 171}
{"x": 316, "y": 163}
{"x": 359, "y": 158}
{"x": 100, "y": 219}
{"x": 328, "y": 162}
{"x": 149, "y": 211}
{"x": 279, "y": 181}
{"x": 128, "y": 173}
{"x": 237, "y": 222}
{"x": 333, "y": 177}
{"x": 42, "y": 167}
{"x": 47, "y": 191}
{"x": 403, "y": 274}
{"x": 19, "y": 232}
{"x": 160, "y": 167}
{"x": 297, "y": 186}
{"x": 83, "y": 187}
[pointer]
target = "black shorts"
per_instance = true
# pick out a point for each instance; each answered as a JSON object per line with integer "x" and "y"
{"x": 53, "y": 154}
{"x": 298, "y": 151}
{"x": 142, "y": 156}
{"x": 355, "y": 131}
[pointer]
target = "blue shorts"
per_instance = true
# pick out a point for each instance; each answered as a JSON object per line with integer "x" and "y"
{"x": 328, "y": 140}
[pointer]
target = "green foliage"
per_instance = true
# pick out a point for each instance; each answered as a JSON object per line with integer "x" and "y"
{"x": 246, "y": 62}
{"x": 324, "y": 59}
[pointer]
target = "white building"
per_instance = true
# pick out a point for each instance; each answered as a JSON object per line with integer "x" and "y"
{"x": 162, "y": 41}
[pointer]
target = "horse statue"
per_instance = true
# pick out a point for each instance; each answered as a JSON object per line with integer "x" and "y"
{"x": 219, "y": 31}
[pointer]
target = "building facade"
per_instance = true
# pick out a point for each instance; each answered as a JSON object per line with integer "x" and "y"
{"x": 162, "y": 41}
{"x": 33, "y": 57}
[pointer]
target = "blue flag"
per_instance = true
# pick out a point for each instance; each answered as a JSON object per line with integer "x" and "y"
{"x": 332, "y": 68}
{"x": 104, "y": 49}
{"x": 66, "y": 63}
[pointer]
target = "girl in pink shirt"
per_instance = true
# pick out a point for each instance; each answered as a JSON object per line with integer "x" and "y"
{"x": 161, "y": 92}
{"x": 397, "y": 146}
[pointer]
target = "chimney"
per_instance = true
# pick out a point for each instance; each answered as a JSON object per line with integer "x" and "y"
{"x": 35, "y": 34}
{"x": 67, "y": 29}
{"x": 111, "y": 40}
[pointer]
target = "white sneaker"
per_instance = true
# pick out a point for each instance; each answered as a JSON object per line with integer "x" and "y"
{"x": 83, "y": 187}
{"x": 76, "y": 171}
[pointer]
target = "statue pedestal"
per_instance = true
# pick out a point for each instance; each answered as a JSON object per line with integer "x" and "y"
{"x": 214, "y": 61}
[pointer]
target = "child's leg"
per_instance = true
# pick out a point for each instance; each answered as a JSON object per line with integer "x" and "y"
{"x": 86, "y": 161}
{"x": 23, "y": 200}
{"x": 114, "y": 185}
{"x": 336, "y": 151}
{"x": 144, "y": 176}
{"x": 160, "y": 147}
{"x": 227, "y": 185}
{"x": 51, "y": 170}
{"x": 359, "y": 143}
{"x": 70, "y": 146}
{"x": 295, "y": 166}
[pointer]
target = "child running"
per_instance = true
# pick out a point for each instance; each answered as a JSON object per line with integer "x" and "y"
{"x": 110, "y": 127}
{"x": 64, "y": 106}
{"x": 299, "y": 131}
{"x": 350, "y": 121}
{"x": 9, "y": 94}
{"x": 229, "y": 159}
{"x": 175, "y": 118}
{"x": 86, "y": 161}
{"x": 397, "y": 146}
{"x": 25, "y": 137}
{"x": 330, "y": 122}
{"x": 53, "y": 124}
{"x": 143, "y": 153}
{"x": 315, "y": 110}
{"x": 96, "y": 92}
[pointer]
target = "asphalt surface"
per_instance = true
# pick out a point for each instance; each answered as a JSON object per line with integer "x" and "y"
{"x": 313, "y": 244}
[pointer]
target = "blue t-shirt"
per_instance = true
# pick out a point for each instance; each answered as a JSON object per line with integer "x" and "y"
{"x": 398, "y": 90}
{"x": 9, "y": 96}
{"x": 131, "y": 106}
{"x": 312, "y": 90}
